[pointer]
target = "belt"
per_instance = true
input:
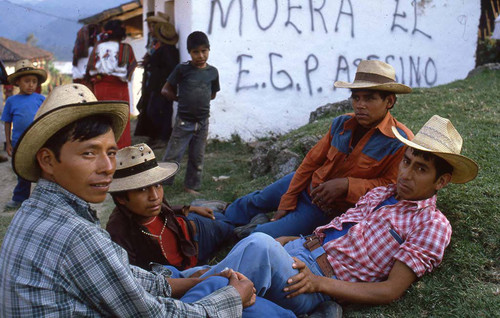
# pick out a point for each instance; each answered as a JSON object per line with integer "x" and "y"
{"x": 313, "y": 244}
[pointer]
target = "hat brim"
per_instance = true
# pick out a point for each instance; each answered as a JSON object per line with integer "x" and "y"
{"x": 156, "y": 19}
{"x": 41, "y": 74}
{"x": 42, "y": 128}
{"x": 389, "y": 87}
{"x": 156, "y": 175}
{"x": 464, "y": 169}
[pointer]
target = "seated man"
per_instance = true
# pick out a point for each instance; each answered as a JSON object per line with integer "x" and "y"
{"x": 56, "y": 260}
{"x": 359, "y": 153}
{"x": 374, "y": 251}
{"x": 145, "y": 225}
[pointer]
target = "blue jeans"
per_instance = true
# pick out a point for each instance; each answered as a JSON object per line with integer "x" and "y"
{"x": 22, "y": 190}
{"x": 261, "y": 308}
{"x": 192, "y": 135}
{"x": 302, "y": 221}
{"x": 269, "y": 265}
{"x": 211, "y": 234}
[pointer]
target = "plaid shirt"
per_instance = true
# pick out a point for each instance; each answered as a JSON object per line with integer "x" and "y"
{"x": 368, "y": 251}
{"x": 56, "y": 260}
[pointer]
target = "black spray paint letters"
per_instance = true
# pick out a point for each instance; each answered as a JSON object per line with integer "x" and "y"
{"x": 414, "y": 71}
{"x": 317, "y": 14}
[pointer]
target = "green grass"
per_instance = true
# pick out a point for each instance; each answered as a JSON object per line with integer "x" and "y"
{"x": 467, "y": 283}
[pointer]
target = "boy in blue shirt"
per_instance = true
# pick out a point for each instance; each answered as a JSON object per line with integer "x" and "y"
{"x": 18, "y": 114}
{"x": 193, "y": 84}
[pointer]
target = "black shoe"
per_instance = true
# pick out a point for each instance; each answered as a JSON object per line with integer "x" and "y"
{"x": 216, "y": 205}
{"x": 245, "y": 230}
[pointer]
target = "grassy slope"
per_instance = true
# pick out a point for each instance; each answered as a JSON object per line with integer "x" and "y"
{"x": 467, "y": 283}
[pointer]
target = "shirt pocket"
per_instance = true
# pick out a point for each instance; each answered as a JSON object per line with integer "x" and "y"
{"x": 383, "y": 241}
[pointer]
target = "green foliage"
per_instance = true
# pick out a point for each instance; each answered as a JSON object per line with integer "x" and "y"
{"x": 467, "y": 283}
{"x": 488, "y": 51}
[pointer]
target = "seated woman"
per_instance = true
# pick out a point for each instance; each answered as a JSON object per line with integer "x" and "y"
{"x": 151, "y": 230}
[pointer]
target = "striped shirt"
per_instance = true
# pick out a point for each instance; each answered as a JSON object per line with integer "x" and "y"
{"x": 413, "y": 232}
{"x": 56, "y": 261}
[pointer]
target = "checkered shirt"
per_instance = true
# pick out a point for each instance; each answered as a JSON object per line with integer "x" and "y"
{"x": 368, "y": 251}
{"x": 56, "y": 261}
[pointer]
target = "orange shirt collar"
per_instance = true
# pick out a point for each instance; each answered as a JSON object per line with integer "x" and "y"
{"x": 384, "y": 126}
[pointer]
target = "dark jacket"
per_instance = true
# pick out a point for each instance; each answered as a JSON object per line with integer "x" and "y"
{"x": 143, "y": 249}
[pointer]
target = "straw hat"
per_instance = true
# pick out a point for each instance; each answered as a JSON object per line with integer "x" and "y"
{"x": 136, "y": 168}
{"x": 440, "y": 137}
{"x": 64, "y": 105}
{"x": 165, "y": 33}
{"x": 375, "y": 75}
{"x": 25, "y": 67}
{"x": 159, "y": 17}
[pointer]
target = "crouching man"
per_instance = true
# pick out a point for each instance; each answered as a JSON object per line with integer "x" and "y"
{"x": 374, "y": 251}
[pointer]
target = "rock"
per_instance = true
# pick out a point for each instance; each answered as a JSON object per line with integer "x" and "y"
{"x": 286, "y": 161}
{"x": 329, "y": 108}
{"x": 482, "y": 68}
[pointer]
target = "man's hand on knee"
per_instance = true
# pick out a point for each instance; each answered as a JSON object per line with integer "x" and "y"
{"x": 278, "y": 215}
{"x": 304, "y": 282}
{"x": 325, "y": 194}
{"x": 245, "y": 287}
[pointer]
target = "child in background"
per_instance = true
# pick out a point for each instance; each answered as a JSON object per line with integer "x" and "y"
{"x": 18, "y": 114}
{"x": 193, "y": 84}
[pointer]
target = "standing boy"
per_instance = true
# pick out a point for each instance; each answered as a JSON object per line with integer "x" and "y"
{"x": 193, "y": 84}
{"x": 18, "y": 115}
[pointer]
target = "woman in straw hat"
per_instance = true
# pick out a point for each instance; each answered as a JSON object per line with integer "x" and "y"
{"x": 111, "y": 65}
{"x": 155, "y": 119}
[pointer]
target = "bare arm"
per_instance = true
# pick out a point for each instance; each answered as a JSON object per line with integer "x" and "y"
{"x": 400, "y": 278}
{"x": 181, "y": 285}
{"x": 8, "y": 129}
{"x": 169, "y": 91}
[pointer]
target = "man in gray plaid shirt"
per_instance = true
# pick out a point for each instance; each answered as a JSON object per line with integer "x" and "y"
{"x": 56, "y": 260}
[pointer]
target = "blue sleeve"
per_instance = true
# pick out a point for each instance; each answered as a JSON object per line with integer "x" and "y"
{"x": 215, "y": 82}
{"x": 174, "y": 77}
{"x": 7, "y": 111}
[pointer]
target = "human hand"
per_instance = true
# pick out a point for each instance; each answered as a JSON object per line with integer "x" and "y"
{"x": 285, "y": 239}
{"x": 278, "y": 215}
{"x": 245, "y": 288}
{"x": 201, "y": 272}
{"x": 325, "y": 194}
{"x": 9, "y": 149}
{"x": 203, "y": 211}
{"x": 304, "y": 282}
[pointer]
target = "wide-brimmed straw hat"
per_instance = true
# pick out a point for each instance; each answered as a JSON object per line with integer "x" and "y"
{"x": 64, "y": 105}
{"x": 375, "y": 75}
{"x": 26, "y": 67}
{"x": 159, "y": 17}
{"x": 439, "y": 136}
{"x": 136, "y": 167}
{"x": 165, "y": 33}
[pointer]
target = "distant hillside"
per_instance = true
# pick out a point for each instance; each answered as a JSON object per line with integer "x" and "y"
{"x": 55, "y": 31}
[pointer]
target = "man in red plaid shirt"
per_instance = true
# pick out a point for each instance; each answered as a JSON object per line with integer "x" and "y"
{"x": 374, "y": 251}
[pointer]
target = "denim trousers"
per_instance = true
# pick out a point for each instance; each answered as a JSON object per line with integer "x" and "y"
{"x": 211, "y": 234}
{"x": 261, "y": 308}
{"x": 22, "y": 190}
{"x": 269, "y": 265}
{"x": 192, "y": 136}
{"x": 302, "y": 221}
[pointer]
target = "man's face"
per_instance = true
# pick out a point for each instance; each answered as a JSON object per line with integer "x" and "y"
{"x": 85, "y": 168}
{"x": 369, "y": 107}
{"x": 199, "y": 56}
{"x": 144, "y": 202}
{"x": 416, "y": 178}
{"x": 27, "y": 84}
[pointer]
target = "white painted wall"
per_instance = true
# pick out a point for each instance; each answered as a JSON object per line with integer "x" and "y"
{"x": 278, "y": 59}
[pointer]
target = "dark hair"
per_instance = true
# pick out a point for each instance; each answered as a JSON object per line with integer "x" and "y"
{"x": 383, "y": 94}
{"x": 442, "y": 166}
{"x": 121, "y": 194}
{"x": 81, "y": 130}
{"x": 117, "y": 30}
{"x": 197, "y": 38}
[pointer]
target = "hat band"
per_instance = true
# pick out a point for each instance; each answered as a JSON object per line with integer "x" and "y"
{"x": 375, "y": 78}
{"x": 25, "y": 69}
{"x": 130, "y": 171}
